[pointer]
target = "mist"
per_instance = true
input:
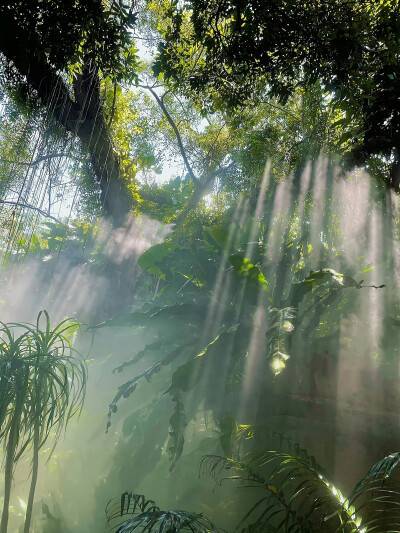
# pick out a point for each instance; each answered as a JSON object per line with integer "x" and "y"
{"x": 336, "y": 394}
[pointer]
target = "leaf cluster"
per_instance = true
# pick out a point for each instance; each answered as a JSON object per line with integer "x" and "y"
{"x": 227, "y": 53}
{"x": 41, "y": 380}
{"x": 202, "y": 318}
{"x": 147, "y": 516}
{"x": 62, "y": 34}
{"x": 298, "y": 497}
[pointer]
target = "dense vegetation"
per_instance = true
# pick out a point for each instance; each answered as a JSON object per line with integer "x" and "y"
{"x": 211, "y": 189}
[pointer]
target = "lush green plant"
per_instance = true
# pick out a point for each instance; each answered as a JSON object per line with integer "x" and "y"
{"x": 42, "y": 385}
{"x": 298, "y": 497}
{"x": 293, "y": 494}
{"x": 78, "y": 241}
{"x": 14, "y": 422}
{"x": 147, "y": 516}
{"x": 201, "y": 321}
{"x": 225, "y": 53}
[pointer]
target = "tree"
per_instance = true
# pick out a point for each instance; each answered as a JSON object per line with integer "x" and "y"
{"x": 55, "y": 53}
{"x": 233, "y": 52}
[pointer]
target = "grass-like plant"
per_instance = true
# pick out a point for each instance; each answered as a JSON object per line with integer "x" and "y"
{"x": 42, "y": 385}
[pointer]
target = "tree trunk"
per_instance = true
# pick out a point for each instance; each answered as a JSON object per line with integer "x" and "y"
{"x": 8, "y": 474}
{"x": 82, "y": 116}
{"x": 96, "y": 140}
{"x": 35, "y": 468}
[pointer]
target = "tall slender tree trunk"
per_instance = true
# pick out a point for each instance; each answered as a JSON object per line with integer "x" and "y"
{"x": 8, "y": 474}
{"x": 35, "y": 468}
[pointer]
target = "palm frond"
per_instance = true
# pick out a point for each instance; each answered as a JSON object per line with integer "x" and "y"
{"x": 297, "y": 497}
{"x": 380, "y": 471}
{"x": 128, "y": 503}
{"x": 377, "y": 496}
{"x": 167, "y": 521}
{"x": 148, "y": 517}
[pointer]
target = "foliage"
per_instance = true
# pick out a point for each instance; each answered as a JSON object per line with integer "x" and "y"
{"x": 227, "y": 53}
{"x": 43, "y": 386}
{"x": 150, "y": 518}
{"x": 63, "y": 34}
{"x": 55, "y": 237}
{"x": 323, "y": 82}
{"x": 203, "y": 316}
{"x": 71, "y": 47}
{"x": 297, "y": 495}
{"x": 163, "y": 202}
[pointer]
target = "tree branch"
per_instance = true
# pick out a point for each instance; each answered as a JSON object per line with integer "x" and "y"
{"x": 28, "y": 206}
{"x": 38, "y": 160}
{"x": 160, "y": 102}
{"x": 199, "y": 192}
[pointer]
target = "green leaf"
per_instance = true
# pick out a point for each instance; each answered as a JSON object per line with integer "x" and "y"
{"x": 177, "y": 424}
{"x": 218, "y": 234}
{"x": 149, "y": 259}
{"x": 248, "y": 270}
{"x": 368, "y": 269}
{"x": 228, "y": 427}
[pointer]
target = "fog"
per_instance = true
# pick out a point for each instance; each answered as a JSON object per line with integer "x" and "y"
{"x": 337, "y": 395}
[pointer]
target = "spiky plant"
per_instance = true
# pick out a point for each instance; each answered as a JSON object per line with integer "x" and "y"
{"x": 147, "y": 516}
{"x": 14, "y": 427}
{"x": 296, "y": 497}
{"x": 46, "y": 388}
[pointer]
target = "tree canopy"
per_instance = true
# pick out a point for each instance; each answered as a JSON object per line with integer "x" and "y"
{"x": 334, "y": 59}
{"x": 234, "y": 52}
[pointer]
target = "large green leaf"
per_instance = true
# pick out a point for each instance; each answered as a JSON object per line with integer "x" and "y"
{"x": 150, "y": 258}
